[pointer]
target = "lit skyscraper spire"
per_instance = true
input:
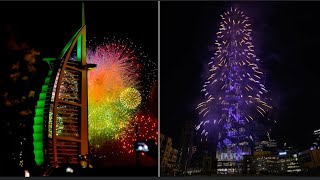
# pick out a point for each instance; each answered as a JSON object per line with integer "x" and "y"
{"x": 235, "y": 94}
{"x": 61, "y": 118}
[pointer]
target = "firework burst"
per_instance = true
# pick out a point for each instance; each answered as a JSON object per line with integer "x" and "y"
{"x": 234, "y": 90}
{"x": 147, "y": 130}
{"x": 130, "y": 98}
{"x": 117, "y": 70}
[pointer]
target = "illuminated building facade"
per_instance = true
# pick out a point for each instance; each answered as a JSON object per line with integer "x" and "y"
{"x": 265, "y": 162}
{"x": 267, "y": 159}
{"x": 272, "y": 161}
{"x": 61, "y": 115}
{"x": 247, "y": 164}
{"x": 235, "y": 94}
{"x": 186, "y": 146}
{"x": 201, "y": 164}
{"x": 270, "y": 145}
{"x": 168, "y": 156}
{"x": 201, "y": 160}
{"x": 310, "y": 161}
{"x": 316, "y": 136}
{"x": 288, "y": 162}
{"x": 229, "y": 167}
{"x": 231, "y": 162}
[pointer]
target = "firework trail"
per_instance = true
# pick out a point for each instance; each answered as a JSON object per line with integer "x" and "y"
{"x": 147, "y": 128}
{"x": 119, "y": 89}
{"x": 121, "y": 152}
{"x": 117, "y": 71}
{"x": 235, "y": 95}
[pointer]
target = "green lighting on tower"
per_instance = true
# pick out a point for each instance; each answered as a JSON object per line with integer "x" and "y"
{"x": 43, "y": 103}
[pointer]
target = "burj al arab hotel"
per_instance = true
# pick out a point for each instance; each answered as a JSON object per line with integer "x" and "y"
{"x": 61, "y": 114}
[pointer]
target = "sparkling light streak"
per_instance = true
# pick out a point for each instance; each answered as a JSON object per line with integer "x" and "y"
{"x": 119, "y": 88}
{"x": 59, "y": 125}
{"x": 147, "y": 130}
{"x": 117, "y": 69}
{"x": 234, "y": 91}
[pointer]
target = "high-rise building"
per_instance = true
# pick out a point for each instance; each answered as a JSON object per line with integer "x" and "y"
{"x": 310, "y": 161}
{"x": 202, "y": 159}
{"x": 268, "y": 159}
{"x": 265, "y": 157}
{"x": 231, "y": 162}
{"x": 288, "y": 161}
{"x": 316, "y": 137}
{"x": 269, "y": 145}
{"x": 168, "y": 156}
{"x": 200, "y": 164}
{"x": 61, "y": 116}
{"x": 265, "y": 162}
{"x": 235, "y": 96}
{"x": 186, "y": 146}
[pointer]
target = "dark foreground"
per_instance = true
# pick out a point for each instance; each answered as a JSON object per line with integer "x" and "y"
{"x": 113, "y": 171}
{"x": 124, "y": 171}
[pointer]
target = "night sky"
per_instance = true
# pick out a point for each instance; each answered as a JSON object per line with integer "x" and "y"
{"x": 48, "y": 26}
{"x": 286, "y": 37}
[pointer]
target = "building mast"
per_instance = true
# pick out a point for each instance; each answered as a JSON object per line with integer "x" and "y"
{"x": 84, "y": 88}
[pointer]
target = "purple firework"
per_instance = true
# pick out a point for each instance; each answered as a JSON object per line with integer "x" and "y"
{"x": 235, "y": 94}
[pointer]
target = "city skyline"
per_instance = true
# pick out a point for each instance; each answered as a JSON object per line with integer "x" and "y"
{"x": 276, "y": 35}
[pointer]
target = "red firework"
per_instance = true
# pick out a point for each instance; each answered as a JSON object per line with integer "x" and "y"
{"x": 147, "y": 130}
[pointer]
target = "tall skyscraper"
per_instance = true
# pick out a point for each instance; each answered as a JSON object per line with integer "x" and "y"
{"x": 186, "y": 146}
{"x": 61, "y": 118}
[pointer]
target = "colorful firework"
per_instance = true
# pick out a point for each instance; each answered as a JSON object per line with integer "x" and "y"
{"x": 130, "y": 98}
{"x": 117, "y": 69}
{"x": 114, "y": 88}
{"x": 234, "y": 90}
{"x": 147, "y": 130}
{"x": 106, "y": 121}
{"x": 146, "y": 68}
